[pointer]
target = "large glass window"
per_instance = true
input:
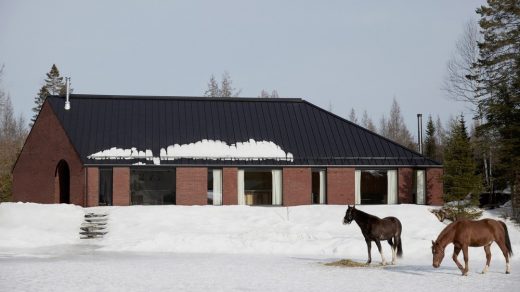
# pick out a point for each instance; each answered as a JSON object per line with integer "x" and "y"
{"x": 374, "y": 184}
{"x": 105, "y": 186}
{"x": 258, "y": 187}
{"x": 318, "y": 186}
{"x": 214, "y": 186}
{"x": 152, "y": 186}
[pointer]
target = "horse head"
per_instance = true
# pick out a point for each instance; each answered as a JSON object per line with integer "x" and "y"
{"x": 438, "y": 254}
{"x": 349, "y": 215}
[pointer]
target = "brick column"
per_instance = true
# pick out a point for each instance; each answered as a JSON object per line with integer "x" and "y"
{"x": 297, "y": 186}
{"x": 92, "y": 186}
{"x": 340, "y": 186}
{"x": 192, "y": 186}
{"x": 121, "y": 184}
{"x": 229, "y": 186}
{"x": 434, "y": 186}
{"x": 405, "y": 188}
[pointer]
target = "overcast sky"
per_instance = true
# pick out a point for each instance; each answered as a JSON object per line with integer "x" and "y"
{"x": 348, "y": 54}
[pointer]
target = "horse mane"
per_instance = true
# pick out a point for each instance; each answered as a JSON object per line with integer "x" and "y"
{"x": 366, "y": 215}
{"x": 445, "y": 232}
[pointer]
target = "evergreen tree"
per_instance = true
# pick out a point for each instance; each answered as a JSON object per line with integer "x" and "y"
{"x": 430, "y": 144}
{"x": 498, "y": 78}
{"x": 54, "y": 85}
{"x": 500, "y": 49}
{"x": 54, "y": 82}
{"x": 461, "y": 183}
{"x": 39, "y": 100}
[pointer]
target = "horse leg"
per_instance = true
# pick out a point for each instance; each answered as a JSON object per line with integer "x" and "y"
{"x": 466, "y": 259}
{"x": 383, "y": 261}
{"x": 369, "y": 247}
{"x": 393, "y": 245}
{"x": 456, "y": 251}
{"x": 487, "y": 249}
{"x": 505, "y": 251}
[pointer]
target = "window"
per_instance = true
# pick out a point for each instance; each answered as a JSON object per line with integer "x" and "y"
{"x": 105, "y": 187}
{"x": 420, "y": 187}
{"x": 214, "y": 186}
{"x": 260, "y": 187}
{"x": 152, "y": 186}
{"x": 376, "y": 186}
{"x": 318, "y": 186}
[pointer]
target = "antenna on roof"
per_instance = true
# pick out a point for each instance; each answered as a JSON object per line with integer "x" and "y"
{"x": 67, "y": 102}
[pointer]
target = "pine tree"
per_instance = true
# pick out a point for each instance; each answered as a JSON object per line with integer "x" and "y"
{"x": 54, "y": 82}
{"x": 430, "y": 144}
{"x": 461, "y": 183}
{"x": 500, "y": 49}
{"x": 39, "y": 100}
{"x": 54, "y": 85}
{"x": 498, "y": 78}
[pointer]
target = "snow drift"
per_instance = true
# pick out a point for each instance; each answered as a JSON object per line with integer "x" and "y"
{"x": 304, "y": 230}
{"x": 29, "y": 225}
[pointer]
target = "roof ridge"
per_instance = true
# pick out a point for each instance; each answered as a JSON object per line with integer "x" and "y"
{"x": 192, "y": 98}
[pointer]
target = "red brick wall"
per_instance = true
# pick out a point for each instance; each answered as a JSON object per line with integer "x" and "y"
{"x": 340, "y": 186}
{"x": 34, "y": 173}
{"x": 121, "y": 186}
{"x": 192, "y": 186}
{"x": 405, "y": 185}
{"x": 434, "y": 186}
{"x": 229, "y": 186}
{"x": 92, "y": 186}
{"x": 297, "y": 186}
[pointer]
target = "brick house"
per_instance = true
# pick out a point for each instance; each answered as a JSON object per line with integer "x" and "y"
{"x": 140, "y": 150}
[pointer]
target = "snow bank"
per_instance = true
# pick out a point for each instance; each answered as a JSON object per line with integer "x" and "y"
{"x": 303, "y": 230}
{"x": 28, "y": 225}
{"x": 315, "y": 230}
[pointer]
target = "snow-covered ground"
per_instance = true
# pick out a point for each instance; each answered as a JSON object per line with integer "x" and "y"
{"x": 229, "y": 248}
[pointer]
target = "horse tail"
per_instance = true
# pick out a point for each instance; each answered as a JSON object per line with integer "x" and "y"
{"x": 398, "y": 239}
{"x": 399, "y": 247}
{"x": 508, "y": 241}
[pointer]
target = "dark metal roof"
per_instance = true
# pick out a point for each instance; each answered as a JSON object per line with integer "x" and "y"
{"x": 314, "y": 136}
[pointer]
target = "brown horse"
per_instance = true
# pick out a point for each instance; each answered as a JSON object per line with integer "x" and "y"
{"x": 465, "y": 233}
{"x": 376, "y": 229}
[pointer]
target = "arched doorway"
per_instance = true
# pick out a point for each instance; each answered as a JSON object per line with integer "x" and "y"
{"x": 63, "y": 176}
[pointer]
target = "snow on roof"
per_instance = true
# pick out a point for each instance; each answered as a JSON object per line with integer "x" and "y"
{"x": 204, "y": 149}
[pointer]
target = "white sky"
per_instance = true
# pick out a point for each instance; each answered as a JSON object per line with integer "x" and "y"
{"x": 350, "y": 54}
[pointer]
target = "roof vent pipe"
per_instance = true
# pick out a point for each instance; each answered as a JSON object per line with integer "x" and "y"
{"x": 419, "y": 132}
{"x": 67, "y": 102}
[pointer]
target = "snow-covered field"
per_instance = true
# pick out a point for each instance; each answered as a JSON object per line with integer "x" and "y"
{"x": 229, "y": 248}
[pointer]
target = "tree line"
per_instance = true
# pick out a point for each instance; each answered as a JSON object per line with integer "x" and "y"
{"x": 484, "y": 72}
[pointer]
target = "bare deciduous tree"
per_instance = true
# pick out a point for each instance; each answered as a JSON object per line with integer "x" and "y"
{"x": 366, "y": 122}
{"x": 394, "y": 127}
{"x": 456, "y": 84}
{"x": 224, "y": 90}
